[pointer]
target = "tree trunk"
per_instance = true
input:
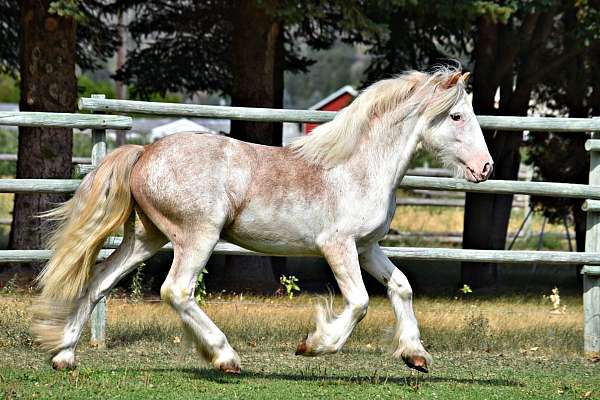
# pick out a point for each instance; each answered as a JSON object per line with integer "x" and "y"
{"x": 120, "y": 87}
{"x": 257, "y": 82}
{"x": 479, "y": 208}
{"x": 487, "y": 215}
{"x": 575, "y": 95}
{"x": 48, "y": 83}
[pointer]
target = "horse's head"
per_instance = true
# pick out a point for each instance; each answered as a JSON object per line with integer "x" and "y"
{"x": 454, "y": 135}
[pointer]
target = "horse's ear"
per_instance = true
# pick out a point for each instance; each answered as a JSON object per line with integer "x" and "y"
{"x": 453, "y": 80}
{"x": 464, "y": 78}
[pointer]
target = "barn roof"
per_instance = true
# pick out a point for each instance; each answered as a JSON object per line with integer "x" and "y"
{"x": 343, "y": 90}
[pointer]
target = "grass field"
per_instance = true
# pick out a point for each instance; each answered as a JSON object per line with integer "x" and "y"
{"x": 510, "y": 348}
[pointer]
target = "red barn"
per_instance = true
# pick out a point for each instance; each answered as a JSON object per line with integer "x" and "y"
{"x": 334, "y": 102}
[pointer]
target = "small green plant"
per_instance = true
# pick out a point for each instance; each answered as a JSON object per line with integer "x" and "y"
{"x": 136, "y": 285}
{"x": 290, "y": 283}
{"x": 466, "y": 289}
{"x": 201, "y": 287}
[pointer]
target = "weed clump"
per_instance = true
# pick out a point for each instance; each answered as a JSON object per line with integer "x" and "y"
{"x": 476, "y": 332}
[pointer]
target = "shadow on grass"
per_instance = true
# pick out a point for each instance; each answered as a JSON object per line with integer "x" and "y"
{"x": 219, "y": 377}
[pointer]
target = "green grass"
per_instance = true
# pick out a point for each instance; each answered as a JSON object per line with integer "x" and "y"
{"x": 153, "y": 370}
{"x": 510, "y": 348}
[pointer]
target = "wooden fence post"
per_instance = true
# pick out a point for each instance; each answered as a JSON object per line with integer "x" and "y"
{"x": 591, "y": 274}
{"x": 98, "y": 318}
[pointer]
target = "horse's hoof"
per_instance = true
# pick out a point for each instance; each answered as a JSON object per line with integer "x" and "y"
{"x": 64, "y": 360}
{"x": 416, "y": 362}
{"x": 302, "y": 349}
{"x": 63, "y": 365}
{"x": 231, "y": 368}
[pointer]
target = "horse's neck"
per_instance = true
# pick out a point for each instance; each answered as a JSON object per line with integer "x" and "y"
{"x": 386, "y": 154}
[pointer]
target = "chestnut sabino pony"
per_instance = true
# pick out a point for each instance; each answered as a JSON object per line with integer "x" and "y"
{"x": 330, "y": 194}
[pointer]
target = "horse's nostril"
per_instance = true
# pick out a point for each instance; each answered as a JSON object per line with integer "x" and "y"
{"x": 487, "y": 169}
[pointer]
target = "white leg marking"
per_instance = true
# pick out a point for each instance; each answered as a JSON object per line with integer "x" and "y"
{"x": 178, "y": 291}
{"x": 332, "y": 331}
{"x": 407, "y": 340}
{"x": 136, "y": 247}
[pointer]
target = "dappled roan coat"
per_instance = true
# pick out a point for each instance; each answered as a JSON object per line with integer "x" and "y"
{"x": 331, "y": 194}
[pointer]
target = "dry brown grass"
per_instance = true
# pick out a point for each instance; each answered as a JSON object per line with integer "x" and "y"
{"x": 500, "y": 324}
{"x": 510, "y": 324}
{"x": 450, "y": 219}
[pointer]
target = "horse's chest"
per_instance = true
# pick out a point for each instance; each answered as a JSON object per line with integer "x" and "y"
{"x": 375, "y": 224}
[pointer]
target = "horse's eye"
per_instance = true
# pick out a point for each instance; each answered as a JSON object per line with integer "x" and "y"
{"x": 455, "y": 117}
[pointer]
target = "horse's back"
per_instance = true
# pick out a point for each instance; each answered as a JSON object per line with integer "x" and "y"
{"x": 183, "y": 181}
{"x": 255, "y": 194}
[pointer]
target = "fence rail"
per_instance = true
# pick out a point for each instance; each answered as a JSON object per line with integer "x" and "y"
{"x": 64, "y": 120}
{"x": 75, "y": 160}
{"x": 39, "y": 185}
{"x": 504, "y": 123}
{"x": 400, "y": 253}
{"x": 99, "y": 124}
{"x": 434, "y": 254}
{"x": 572, "y": 190}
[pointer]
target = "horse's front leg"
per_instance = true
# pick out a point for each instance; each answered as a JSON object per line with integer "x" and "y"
{"x": 332, "y": 331}
{"x": 407, "y": 340}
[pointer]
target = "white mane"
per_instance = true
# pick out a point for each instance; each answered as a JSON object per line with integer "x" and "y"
{"x": 409, "y": 94}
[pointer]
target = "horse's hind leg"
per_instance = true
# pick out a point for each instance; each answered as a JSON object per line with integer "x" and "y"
{"x": 408, "y": 343}
{"x": 333, "y": 331}
{"x": 190, "y": 257}
{"x": 140, "y": 242}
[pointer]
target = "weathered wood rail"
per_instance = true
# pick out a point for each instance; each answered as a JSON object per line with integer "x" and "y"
{"x": 435, "y": 254}
{"x": 76, "y": 160}
{"x": 504, "y": 123}
{"x": 590, "y": 192}
{"x": 65, "y": 120}
{"x": 413, "y": 182}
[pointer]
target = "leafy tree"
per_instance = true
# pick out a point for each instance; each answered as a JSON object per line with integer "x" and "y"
{"x": 575, "y": 93}
{"x": 343, "y": 64}
{"x": 9, "y": 32}
{"x": 419, "y": 34}
{"x": 515, "y": 52}
{"x": 42, "y": 49}
{"x": 8, "y": 144}
{"x": 9, "y": 89}
{"x": 512, "y": 47}
{"x": 239, "y": 48}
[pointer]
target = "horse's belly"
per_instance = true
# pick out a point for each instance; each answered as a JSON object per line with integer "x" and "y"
{"x": 275, "y": 235}
{"x": 273, "y": 243}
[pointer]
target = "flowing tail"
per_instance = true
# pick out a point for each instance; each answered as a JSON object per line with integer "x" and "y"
{"x": 100, "y": 205}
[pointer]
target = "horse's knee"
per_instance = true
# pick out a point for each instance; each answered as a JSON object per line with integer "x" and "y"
{"x": 360, "y": 307}
{"x": 174, "y": 294}
{"x": 399, "y": 286}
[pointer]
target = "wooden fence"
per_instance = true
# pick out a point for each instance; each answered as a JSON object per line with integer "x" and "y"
{"x": 591, "y": 258}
